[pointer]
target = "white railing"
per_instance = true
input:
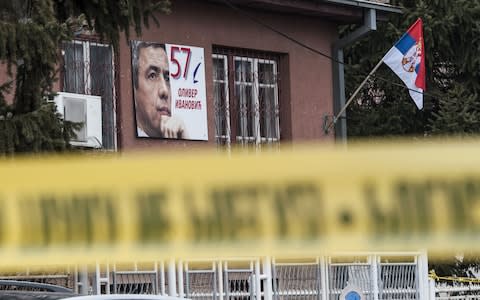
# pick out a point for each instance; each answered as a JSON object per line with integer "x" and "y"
{"x": 379, "y": 276}
{"x": 460, "y": 291}
{"x": 388, "y": 276}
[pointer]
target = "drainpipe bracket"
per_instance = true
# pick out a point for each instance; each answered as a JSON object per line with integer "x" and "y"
{"x": 327, "y": 123}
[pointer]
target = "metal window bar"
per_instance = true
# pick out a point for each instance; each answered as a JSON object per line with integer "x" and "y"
{"x": 246, "y": 97}
{"x": 221, "y": 99}
{"x": 266, "y": 71}
{"x": 89, "y": 69}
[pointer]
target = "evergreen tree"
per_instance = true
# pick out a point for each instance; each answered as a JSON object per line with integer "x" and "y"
{"x": 457, "y": 114}
{"x": 452, "y": 102}
{"x": 451, "y": 31}
{"x": 31, "y": 33}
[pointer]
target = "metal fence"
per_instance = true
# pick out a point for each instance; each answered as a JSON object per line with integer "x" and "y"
{"x": 457, "y": 291}
{"x": 343, "y": 274}
{"x": 398, "y": 281}
{"x": 135, "y": 282}
{"x": 297, "y": 280}
{"x": 376, "y": 276}
{"x": 379, "y": 276}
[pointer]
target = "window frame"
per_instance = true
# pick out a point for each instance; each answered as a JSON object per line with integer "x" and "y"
{"x": 275, "y": 98}
{"x": 86, "y": 63}
{"x": 242, "y": 135}
{"x": 87, "y": 88}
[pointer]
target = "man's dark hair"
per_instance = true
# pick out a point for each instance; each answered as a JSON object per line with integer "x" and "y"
{"x": 136, "y": 47}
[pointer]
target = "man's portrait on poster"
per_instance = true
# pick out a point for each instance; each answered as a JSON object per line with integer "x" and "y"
{"x": 153, "y": 93}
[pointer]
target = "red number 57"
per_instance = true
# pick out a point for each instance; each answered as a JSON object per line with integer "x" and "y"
{"x": 175, "y": 61}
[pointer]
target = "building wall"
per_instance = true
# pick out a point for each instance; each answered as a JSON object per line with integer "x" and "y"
{"x": 306, "y": 88}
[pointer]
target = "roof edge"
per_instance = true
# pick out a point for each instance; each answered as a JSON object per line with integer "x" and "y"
{"x": 368, "y": 4}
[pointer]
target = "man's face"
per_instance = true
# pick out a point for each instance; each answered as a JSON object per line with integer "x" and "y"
{"x": 153, "y": 96}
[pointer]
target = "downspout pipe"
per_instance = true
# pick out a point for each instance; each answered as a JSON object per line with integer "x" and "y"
{"x": 369, "y": 25}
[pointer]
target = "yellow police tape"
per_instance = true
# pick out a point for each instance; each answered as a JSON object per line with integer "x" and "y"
{"x": 305, "y": 201}
{"x": 435, "y": 277}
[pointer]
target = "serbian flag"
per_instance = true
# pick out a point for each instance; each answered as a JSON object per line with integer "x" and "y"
{"x": 407, "y": 60}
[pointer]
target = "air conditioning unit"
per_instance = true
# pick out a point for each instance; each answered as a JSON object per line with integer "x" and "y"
{"x": 84, "y": 109}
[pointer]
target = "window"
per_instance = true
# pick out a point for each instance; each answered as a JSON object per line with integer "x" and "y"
{"x": 88, "y": 69}
{"x": 245, "y": 97}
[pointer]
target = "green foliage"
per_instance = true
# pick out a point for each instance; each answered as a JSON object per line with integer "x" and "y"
{"x": 378, "y": 105}
{"x": 452, "y": 42}
{"x": 462, "y": 265}
{"x": 31, "y": 32}
{"x": 458, "y": 114}
{"x": 37, "y": 131}
{"x": 452, "y": 103}
{"x": 110, "y": 17}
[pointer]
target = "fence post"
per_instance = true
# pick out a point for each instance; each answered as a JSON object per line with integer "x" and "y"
{"x": 97, "y": 277}
{"x": 172, "y": 283}
{"x": 114, "y": 278}
{"x": 181, "y": 293}
{"x": 267, "y": 270}
{"x": 374, "y": 264}
{"x": 431, "y": 289}
{"x": 155, "y": 285}
{"x": 99, "y": 280}
{"x": 220, "y": 280}
{"x": 84, "y": 287}
{"x": 275, "y": 279}
{"x": 258, "y": 288}
{"x": 324, "y": 278}
{"x": 107, "y": 270}
{"x": 422, "y": 271}
{"x": 162, "y": 278}
{"x": 75, "y": 280}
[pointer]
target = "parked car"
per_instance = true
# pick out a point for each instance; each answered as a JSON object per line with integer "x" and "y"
{"x": 33, "y": 295}
{"x": 28, "y": 295}
{"x": 17, "y": 285}
{"x": 26, "y": 290}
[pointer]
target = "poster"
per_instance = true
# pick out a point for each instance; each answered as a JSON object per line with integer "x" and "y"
{"x": 169, "y": 91}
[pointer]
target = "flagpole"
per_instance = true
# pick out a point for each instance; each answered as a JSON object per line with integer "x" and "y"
{"x": 335, "y": 119}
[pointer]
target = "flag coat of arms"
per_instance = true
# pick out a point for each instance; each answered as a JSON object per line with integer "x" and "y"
{"x": 407, "y": 60}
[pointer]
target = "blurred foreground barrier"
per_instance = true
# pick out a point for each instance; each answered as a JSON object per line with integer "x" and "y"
{"x": 291, "y": 203}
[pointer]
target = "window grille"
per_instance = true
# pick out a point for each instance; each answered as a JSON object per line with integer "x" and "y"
{"x": 246, "y": 97}
{"x": 88, "y": 69}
